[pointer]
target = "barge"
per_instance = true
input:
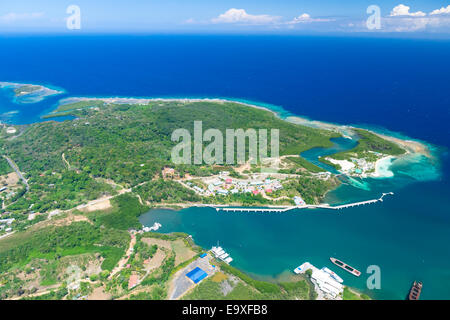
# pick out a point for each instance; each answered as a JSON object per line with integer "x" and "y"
{"x": 346, "y": 267}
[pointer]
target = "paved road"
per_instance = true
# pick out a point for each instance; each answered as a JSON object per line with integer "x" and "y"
{"x": 16, "y": 169}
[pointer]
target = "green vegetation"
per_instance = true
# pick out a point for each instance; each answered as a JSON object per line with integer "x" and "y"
{"x": 62, "y": 191}
{"x": 166, "y": 191}
{"x": 351, "y": 295}
{"x": 329, "y": 163}
{"x": 26, "y": 89}
{"x": 244, "y": 199}
{"x": 5, "y": 168}
{"x": 130, "y": 144}
{"x": 124, "y": 216}
{"x": 107, "y": 150}
{"x": 79, "y": 105}
{"x": 52, "y": 295}
{"x": 368, "y": 144}
{"x": 53, "y": 243}
{"x": 311, "y": 189}
{"x": 303, "y": 163}
{"x": 127, "y": 146}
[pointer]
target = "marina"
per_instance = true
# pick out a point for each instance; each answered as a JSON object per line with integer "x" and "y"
{"x": 220, "y": 253}
{"x": 327, "y": 284}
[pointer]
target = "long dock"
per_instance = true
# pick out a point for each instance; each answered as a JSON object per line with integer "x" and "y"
{"x": 308, "y": 206}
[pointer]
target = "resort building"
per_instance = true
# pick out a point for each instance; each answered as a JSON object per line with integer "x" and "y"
{"x": 169, "y": 173}
{"x": 326, "y": 283}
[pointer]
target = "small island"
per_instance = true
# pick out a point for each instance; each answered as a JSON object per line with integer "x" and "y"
{"x": 29, "y": 93}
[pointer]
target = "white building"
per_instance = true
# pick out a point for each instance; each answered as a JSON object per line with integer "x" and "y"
{"x": 222, "y": 191}
{"x": 326, "y": 283}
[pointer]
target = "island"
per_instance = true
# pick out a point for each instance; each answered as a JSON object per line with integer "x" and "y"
{"x": 73, "y": 191}
{"x": 29, "y": 93}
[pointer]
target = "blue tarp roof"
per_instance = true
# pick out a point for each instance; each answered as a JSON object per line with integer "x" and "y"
{"x": 203, "y": 255}
{"x": 196, "y": 275}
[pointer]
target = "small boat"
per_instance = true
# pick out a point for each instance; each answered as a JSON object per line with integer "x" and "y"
{"x": 223, "y": 256}
{"x": 228, "y": 260}
{"x": 414, "y": 293}
{"x": 346, "y": 267}
{"x": 298, "y": 270}
{"x": 332, "y": 274}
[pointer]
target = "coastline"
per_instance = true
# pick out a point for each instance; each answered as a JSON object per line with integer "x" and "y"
{"x": 410, "y": 146}
{"x": 39, "y": 94}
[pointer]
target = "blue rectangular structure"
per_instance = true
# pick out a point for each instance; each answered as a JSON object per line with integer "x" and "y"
{"x": 196, "y": 275}
{"x": 203, "y": 255}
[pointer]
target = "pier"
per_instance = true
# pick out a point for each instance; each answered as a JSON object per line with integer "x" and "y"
{"x": 308, "y": 206}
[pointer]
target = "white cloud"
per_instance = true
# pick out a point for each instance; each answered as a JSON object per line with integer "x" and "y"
{"x": 442, "y": 10}
{"x": 13, "y": 17}
{"x": 306, "y": 18}
{"x": 302, "y": 18}
{"x": 241, "y": 16}
{"x": 402, "y": 10}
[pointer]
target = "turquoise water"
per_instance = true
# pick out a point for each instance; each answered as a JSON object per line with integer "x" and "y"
{"x": 406, "y": 244}
{"x": 340, "y": 144}
{"x": 406, "y": 235}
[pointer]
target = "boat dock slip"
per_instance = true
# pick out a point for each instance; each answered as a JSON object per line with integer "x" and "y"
{"x": 221, "y": 254}
{"x": 307, "y": 206}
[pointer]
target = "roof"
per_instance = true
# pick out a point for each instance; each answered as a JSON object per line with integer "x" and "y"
{"x": 132, "y": 282}
{"x": 197, "y": 275}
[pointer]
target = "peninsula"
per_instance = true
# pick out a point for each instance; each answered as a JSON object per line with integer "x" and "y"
{"x": 73, "y": 192}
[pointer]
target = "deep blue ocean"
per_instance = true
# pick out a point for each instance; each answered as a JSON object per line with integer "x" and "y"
{"x": 389, "y": 84}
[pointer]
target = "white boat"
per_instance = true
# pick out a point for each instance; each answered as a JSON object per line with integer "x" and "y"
{"x": 332, "y": 274}
{"x": 228, "y": 260}
{"x": 223, "y": 256}
{"x": 298, "y": 270}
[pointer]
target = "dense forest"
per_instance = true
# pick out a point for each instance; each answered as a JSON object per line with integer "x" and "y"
{"x": 129, "y": 145}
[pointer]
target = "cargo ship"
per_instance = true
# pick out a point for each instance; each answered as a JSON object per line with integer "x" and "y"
{"x": 414, "y": 293}
{"x": 346, "y": 267}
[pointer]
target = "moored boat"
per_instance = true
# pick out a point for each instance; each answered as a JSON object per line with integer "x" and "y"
{"x": 346, "y": 267}
{"x": 414, "y": 292}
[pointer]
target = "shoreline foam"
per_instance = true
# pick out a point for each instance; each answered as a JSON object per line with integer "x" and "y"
{"x": 35, "y": 96}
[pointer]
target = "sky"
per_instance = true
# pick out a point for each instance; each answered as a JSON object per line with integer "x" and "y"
{"x": 230, "y": 16}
